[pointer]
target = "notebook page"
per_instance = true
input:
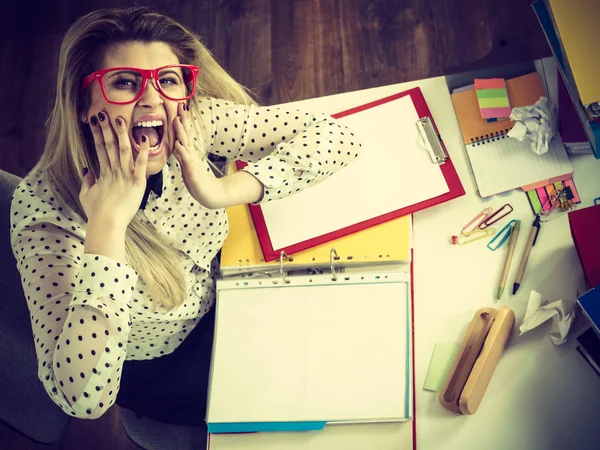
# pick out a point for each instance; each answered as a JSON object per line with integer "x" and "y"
{"x": 394, "y": 171}
{"x": 304, "y": 353}
{"x": 506, "y": 164}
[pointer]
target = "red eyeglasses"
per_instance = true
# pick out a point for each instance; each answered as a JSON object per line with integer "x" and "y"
{"x": 123, "y": 85}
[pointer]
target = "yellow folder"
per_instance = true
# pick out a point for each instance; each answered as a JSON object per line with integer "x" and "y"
{"x": 577, "y": 23}
{"x": 388, "y": 242}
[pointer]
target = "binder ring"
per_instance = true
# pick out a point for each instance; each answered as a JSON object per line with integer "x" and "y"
{"x": 281, "y": 272}
{"x": 332, "y": 255}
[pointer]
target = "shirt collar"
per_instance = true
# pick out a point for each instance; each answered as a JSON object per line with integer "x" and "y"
{"x": 154, "y": 183}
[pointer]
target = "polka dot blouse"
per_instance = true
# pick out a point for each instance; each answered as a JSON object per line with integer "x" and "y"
{"x": 90, "y": 313}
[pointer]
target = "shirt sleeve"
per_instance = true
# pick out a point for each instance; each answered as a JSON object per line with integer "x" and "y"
{"x": 287, "y": 150}
{"x": 78, "y": 306}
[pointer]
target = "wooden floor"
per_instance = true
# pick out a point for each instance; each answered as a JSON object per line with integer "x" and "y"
{"x": 284, "y": 50}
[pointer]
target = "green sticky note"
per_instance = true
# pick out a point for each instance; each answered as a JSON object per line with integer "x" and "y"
{"x": 494, "y": 102}
{"x": 534, "y": 200}
{"x": 441, "y": 360}
{"x": 492, "y": 93}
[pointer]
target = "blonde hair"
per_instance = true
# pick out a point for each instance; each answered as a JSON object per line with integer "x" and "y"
{"x": 69, "y": 145}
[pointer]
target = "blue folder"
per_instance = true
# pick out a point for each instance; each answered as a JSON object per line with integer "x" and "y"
{"x": 590, "y": 304}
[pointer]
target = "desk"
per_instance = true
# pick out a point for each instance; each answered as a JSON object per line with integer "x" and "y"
{"x": 538, "y": 391}
{"x": 541, "y": 396}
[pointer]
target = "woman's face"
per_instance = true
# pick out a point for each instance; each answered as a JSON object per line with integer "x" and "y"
{"x": 151, "y": 106}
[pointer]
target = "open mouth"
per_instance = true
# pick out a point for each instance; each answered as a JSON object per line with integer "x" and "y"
{"x": 153, "y": 130}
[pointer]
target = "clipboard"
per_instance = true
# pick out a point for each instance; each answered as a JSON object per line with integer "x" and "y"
{"x": 431, "y": 144}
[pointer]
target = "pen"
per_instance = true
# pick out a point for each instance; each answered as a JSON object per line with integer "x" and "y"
{"x": 533, "y": 235}
{"x": 511, "y": 250}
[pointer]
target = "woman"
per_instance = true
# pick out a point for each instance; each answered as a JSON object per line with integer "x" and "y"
{"x": 116, "y": 229}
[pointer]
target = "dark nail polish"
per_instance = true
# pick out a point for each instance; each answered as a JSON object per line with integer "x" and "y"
{"x": 85, "y": 171}
{"x": 187, "y": 108}
{"x": 143, "y": 138}
{"x": 94, "y": 120}
{"x": 119, "y": 122}
{"x": 101, "y": 116}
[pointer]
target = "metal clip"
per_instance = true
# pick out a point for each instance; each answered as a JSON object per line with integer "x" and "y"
{"x": 431, "y": 140}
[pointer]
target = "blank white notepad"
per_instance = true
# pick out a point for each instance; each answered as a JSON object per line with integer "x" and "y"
{"x": 394, "y": 171}
{"x": 312, "y": 350}
{"x": 502, "y": 164}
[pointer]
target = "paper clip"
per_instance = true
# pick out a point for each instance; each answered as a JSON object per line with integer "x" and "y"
{"x": 504, "y": 211}
{"x": 473, "y": 224}
{"x": 472, "y": 236}
{"x": 503, "y": 235}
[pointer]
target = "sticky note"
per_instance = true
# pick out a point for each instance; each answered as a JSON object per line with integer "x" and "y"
{"x": 549, "y": 191}
{"x": 540, "y": 198}
{"x": 492, "y": 96}
{"x": 544, "y": 200}
{"x": 441, "y": 360}
{"x": 534, "y": 200}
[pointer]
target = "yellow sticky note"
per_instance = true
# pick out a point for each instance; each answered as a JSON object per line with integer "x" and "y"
{"x": 441, "y": 360}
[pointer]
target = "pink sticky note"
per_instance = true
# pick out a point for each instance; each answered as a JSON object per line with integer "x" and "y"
{"x": 543, "y": 195}
{"x": 492, "y": 113}
{"x": 490, "y": 83}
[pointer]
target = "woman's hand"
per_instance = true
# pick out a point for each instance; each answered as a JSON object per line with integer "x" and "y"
{"x": 199, "y": 180}
{"x": 115, "y": 196}
{"x": 211, "y": 192}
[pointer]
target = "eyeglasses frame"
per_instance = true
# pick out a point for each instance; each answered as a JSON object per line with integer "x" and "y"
{"x": 146, "y": 74}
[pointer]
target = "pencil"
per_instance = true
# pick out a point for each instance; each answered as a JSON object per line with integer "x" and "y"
{"x": 509, "y": 255}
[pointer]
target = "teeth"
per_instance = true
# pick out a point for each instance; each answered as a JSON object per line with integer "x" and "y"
{"x": 150, "y": 123}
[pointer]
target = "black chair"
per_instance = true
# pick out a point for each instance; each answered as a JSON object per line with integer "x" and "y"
{"x": 24, "y": 403}
{"x": 152, "y": 435}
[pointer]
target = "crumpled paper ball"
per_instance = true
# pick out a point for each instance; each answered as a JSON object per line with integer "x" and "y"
{"x": 537, "y": 123}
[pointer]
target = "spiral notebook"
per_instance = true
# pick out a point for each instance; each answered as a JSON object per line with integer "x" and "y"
{"x": 500, "y": 163}
{"x": 299, "y": 353}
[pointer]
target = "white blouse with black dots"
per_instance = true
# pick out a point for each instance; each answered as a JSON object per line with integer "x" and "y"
{"x": 90, "y": 313}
